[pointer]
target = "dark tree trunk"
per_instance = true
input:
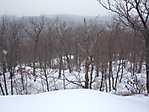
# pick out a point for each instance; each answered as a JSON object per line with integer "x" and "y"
{"x": 34, "y": 71}
{"x": 105, "y": 80}
{"x": 91, "y": 76}
{"x": 102, "y": 79}
{"x": 45, "y": 73}
{"x": 60, "y": 66}
{"x": 11, "y": 71}
{"x": 117, "y": 76}
{"x": 2, "y": 89}
{"x": 11, "y": 78}
{"x": 110, "y": 75}
{"x": 97, "y": 71}
{"x": 121, "y": 76}
{"x": 64, "y": 82}
{"x": 86, "y": 73}
{"x": 5, "y": 83}
{"x": 22, "y": 78}
{"x": 68, "y": 62}
{"x": 140, "y": 63}
{"x": 147, "y": 63}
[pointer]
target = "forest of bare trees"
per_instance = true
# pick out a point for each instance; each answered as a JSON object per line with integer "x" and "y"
{"x": 74, "y": 55}
{"x": 42, "y": 44}
{"x": 133, "y": 14}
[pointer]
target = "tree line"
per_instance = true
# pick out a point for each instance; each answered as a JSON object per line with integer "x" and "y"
{"x": 44, "y": 43}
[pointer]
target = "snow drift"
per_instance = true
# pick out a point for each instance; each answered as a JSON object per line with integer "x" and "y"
{"x": 74, "y": 101}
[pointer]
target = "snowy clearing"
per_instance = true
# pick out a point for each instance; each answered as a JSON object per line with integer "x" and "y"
{"x": 80, "y": 100}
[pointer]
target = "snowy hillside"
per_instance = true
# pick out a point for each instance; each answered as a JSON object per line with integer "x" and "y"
{"x": 129, "y": 84}
{"x": 74, "y": 101}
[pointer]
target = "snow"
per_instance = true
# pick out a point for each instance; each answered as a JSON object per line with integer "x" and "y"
{"x": 129, "y": 85}
{"x": 76, "y": 100}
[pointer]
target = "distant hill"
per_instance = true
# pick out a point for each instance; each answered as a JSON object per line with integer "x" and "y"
{"x": 79, "y": 19}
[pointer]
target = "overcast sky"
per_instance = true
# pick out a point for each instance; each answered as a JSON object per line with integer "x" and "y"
{"x": 50, "y": 7}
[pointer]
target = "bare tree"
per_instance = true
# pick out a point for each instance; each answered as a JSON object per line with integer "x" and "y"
{"x": 34, "y": 30}
{"x": 3, "y": 48}
{"x": 135, "y": 14}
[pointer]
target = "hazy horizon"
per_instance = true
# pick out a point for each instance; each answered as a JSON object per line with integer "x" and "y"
{"x": 51, "y": 7}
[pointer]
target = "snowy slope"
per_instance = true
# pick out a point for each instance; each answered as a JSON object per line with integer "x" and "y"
{"x": 74, "y": 101}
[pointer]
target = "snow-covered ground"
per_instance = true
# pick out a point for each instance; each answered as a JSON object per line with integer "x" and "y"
{"x": 24, "y": 82}
{"x": 80, "y": 100}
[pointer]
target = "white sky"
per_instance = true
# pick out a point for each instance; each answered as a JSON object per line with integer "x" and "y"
{"x": 50, "y": 7}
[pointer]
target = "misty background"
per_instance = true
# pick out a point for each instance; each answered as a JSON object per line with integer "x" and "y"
{"x": 51, "y": 7}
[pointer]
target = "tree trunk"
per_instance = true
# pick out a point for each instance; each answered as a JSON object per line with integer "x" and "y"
{"x": 5, "y": 83}
{"x": 140, "y": 63}
{"x": 105, "y": 80}
{"x": 60, "y": 66}
{"x": 11, "y": 78}
{"x": 147, "y": 63}
{"x": 22, "y": 78}
{"x": 91, "y": 76}
{"x": 64, "y": 83}
{"x": 86, "y": 74}
{"x": 97, "y": 71}
{"x": 11, "y": 71}
{"x": 2, "y": 89}
{"x": 102, "y": 79}
{"x": 121, "y": 76}
{"x": 110, "y": 74}
{"x": 34, "y": 71}
{"x": 45, "y": 74}
{"x": 68, "y": 62}
{"x": 117, "y": 76}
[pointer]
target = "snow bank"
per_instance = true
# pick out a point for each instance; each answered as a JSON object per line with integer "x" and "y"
{"x": 74, "y": 101}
